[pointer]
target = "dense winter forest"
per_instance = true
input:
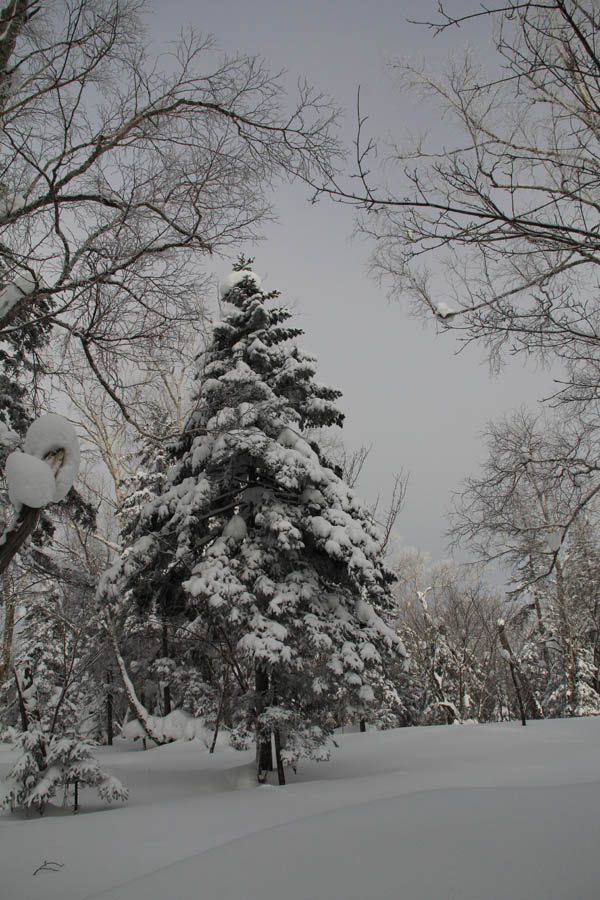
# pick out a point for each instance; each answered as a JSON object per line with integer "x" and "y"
{"x": 185, "y": 551}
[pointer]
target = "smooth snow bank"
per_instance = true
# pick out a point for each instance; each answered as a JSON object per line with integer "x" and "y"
{"x": 496, "y": 812}
{"x": 477, "y": 844}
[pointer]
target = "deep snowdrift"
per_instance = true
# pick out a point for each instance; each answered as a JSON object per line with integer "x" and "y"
{"x": 468, "y": 812}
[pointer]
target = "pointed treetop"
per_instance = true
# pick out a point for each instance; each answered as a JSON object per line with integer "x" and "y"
{"x": 243, "y": 262}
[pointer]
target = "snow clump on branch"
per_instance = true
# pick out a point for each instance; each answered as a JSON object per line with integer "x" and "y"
{"x": 443, "y": 311}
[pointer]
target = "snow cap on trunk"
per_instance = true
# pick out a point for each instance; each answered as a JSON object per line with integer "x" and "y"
{"x": 50, "y": 434}
{"x": 30, "y": 480}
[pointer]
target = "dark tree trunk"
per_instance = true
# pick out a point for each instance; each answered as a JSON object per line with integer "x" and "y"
{"x": 10, "y": 608}
{"x": 219, "y": 711}
{"x": 515, "y": 679}
{"x": 109, "y": 707}
{"x": 526, "y": 699}
{"x": 12, "y": 19}
{"x": 264, "y": 752}
{"x": 17, "y": 533}
{"x": 165, "y": 653}
{"x": 22, "y": 709}
{"x": 280, "y": 769}
{"x": 30, "y": 713}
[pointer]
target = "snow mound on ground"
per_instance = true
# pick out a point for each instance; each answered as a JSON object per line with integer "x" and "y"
{"x": 235, "y": 278}
{"x": 30, "y": 480}
{"x": 49, "y": 434}
{"x": 178, "y": 725}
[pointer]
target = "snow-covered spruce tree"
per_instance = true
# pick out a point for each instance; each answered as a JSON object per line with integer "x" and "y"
{"x": 155, "y": 651}
{"x": 273, "y": 557}
{"x": 42, "y": 769}
{"x": 49, "y": 759}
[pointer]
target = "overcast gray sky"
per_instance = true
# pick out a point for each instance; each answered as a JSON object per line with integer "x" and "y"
{"x": 405, "y": 391}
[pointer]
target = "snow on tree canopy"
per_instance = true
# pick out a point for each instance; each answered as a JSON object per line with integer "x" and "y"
{"x": 272, "y": 555}
{"x": 235, "y": 278}
{"x": 30, "y": 480}
{"x": 235, "y": 528}
{"x": 50, "y": 434}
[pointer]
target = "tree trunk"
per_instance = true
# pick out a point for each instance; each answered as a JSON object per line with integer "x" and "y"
{"x": 109, "y": 708}
{"x": 10, "y": 607}
{"x": 526, "y": 699}
{"x": 30, "y": 712}
{"x": 17, "y": 533}
{"x": 227, "y": 700}
{"x": 142, "y": 714}
{"x": 280, "y": 768}
{"x": 219, "y": 712}
{"x": 566, "y": 641}
{"x": 517, "y": 686}
{"x": 543, "y": 636}
{"x": 165, "y": 653}
{"x": 264, "y": 751}
{"x": 12, "y": 19}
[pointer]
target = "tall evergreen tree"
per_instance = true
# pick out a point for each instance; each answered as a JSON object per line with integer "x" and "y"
{"x": 260, "y": 542}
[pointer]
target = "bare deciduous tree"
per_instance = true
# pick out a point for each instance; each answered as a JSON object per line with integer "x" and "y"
{"x": 447, "y": 619}
{"x": 531, "y": 507}
{"x": 117, "y": 170}
{"x": 492, "y": 224}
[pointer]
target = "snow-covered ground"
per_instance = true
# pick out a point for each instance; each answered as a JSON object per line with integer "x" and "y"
{"x": 488, "y": 812}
